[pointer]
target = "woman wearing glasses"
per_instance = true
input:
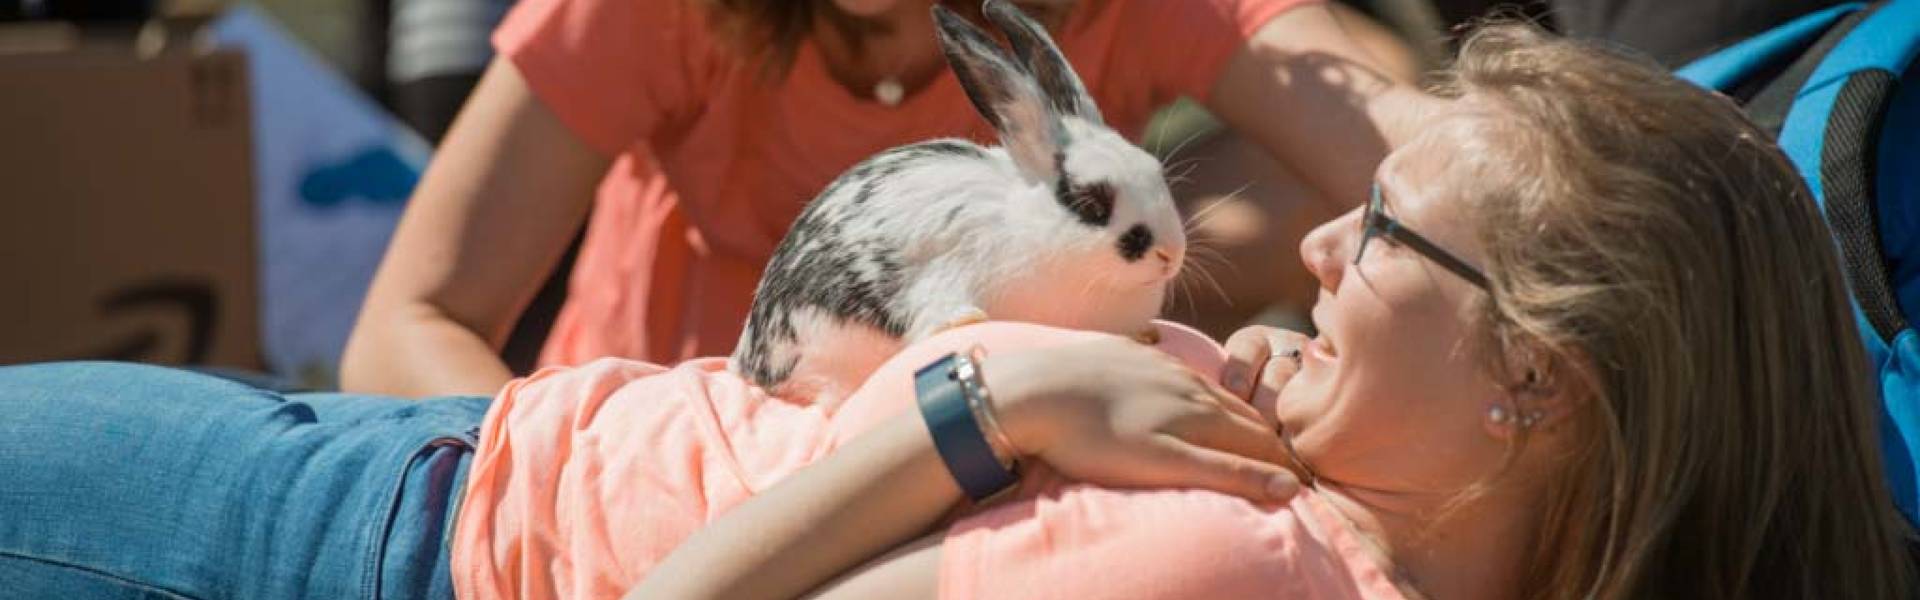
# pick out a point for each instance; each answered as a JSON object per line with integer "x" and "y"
{"x": 1588, "y": 339}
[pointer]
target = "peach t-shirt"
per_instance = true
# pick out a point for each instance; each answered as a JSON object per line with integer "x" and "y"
{"x": 715, "y": 160}
{"x": 587, "y": 477}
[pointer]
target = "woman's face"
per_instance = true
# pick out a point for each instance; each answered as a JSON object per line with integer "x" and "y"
{"x": 1392, "y": 395}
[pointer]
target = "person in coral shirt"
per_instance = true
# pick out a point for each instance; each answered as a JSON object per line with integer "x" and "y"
{"x": 694, "y": 132}
{"x": 1589, "y": 338}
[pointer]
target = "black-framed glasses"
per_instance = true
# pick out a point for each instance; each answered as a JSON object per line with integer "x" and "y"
{"x": 1375, "y": 223}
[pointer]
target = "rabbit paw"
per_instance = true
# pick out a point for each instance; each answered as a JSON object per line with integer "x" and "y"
{"x": 962, "y": 318}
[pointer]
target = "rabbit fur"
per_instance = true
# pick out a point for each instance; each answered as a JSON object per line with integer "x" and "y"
{"x": 1064, "y": 223}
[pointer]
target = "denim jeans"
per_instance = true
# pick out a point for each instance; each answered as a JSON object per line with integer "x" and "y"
{"x": 130, "y": 481}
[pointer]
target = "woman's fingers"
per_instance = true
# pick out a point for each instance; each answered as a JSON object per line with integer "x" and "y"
{"x": 1261, "y": 357}
{"x": 1244, "y": 435}
{"x": 1189, "y": 465}
{"x": 1247, "y": 352}
{"x": 1285, "y": 362}
{"x": 1213, "y": 394}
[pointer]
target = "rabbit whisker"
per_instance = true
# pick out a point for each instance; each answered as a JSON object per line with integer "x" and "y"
{"x": 1183, "y": 144}
{"x": 1198, "y": 220}
{"x": 1202, "y": 259}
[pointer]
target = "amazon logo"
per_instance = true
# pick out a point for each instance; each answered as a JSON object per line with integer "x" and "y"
{"x": 189, "y": 302}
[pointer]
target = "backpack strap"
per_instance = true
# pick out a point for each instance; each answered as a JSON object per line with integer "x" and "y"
{"x": 1850, "y": 131}
{"x": 1768, "y": 99}
{"x": 1832, "y": 134}
{"x": 1750, "y": 59}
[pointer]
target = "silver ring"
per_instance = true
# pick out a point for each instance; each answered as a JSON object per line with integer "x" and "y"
{"x": 1292, "y": 354}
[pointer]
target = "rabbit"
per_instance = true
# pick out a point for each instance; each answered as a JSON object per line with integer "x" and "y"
{"x": 1065, "y": 223}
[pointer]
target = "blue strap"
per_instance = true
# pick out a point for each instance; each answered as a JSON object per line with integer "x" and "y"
{"x": 1724, "y": 69}
{"x": 1888, "y": 39}
{"x": 1885, "y": 40}
{"x": 958, "y": 438}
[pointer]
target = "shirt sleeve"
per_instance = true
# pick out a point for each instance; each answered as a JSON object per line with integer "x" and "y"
{"x": 611, "y": 70}
{"x": 1192, "y": 40}
{"x": 1085, "y": 542}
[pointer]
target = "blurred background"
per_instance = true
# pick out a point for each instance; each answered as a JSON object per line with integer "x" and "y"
{"x": 211, "y": 183}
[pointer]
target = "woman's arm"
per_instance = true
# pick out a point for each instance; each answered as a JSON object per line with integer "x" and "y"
{"x": 1110, "y": 412}
{"x": 1318, "y": 100}
{"x": 495, "y": 210}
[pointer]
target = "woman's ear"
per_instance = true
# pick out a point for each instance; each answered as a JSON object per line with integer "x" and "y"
{"x": 1542, "y": 396}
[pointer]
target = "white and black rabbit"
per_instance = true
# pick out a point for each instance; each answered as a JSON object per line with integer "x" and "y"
{"x": 1065, "y": 223}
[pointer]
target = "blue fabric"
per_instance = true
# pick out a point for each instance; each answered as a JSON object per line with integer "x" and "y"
{"x": 1888, "y": 40}
{"x": 1899, "y": 190}
{"x": 1729, "y": 67}
{"x": 130, "y": 481}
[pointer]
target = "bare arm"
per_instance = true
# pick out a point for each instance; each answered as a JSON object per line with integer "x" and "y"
{"x": 1318, "y": 100}
{"x": 886, "y": 487}
{"x": 490, "y": 218}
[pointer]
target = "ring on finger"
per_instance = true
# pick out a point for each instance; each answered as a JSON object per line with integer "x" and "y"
{"x": 1292, "y": 354}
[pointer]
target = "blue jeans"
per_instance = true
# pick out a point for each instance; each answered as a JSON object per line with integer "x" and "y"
{"x": 130, "y": 481}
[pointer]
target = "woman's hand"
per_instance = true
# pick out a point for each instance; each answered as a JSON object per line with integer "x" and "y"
{"x": 1260, "y": 361}
{"x": 1114, "y": 412}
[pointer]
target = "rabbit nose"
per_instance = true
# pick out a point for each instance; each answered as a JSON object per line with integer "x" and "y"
{"x": 1170, "y": 258}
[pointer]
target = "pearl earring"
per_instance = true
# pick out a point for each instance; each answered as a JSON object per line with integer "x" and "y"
{"x": 1498, "y": 414}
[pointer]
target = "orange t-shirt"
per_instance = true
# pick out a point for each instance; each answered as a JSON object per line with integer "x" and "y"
{"x": 715, "y": 161}
{"x": 587, "y": 477}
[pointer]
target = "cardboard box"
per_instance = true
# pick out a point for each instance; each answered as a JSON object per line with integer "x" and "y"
{"x": 126, "y": 207}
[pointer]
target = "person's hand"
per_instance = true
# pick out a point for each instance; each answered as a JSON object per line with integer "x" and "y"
{"x": 1260, "y": 361}
{"x": 1118, "y": 413}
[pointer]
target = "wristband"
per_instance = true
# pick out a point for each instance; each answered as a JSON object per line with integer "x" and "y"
{"x": 956, "y": 434}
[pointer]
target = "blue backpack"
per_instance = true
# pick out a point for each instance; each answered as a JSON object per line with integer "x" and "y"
{"x": 1829, "y": 84}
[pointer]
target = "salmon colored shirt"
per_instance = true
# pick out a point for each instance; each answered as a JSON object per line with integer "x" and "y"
{"x": 587, "y": 477}
{"x": 715, "y": 160}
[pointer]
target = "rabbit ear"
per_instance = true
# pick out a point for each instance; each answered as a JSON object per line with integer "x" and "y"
{"x": 1044, "y": 61}
{"x": 1004, "y": 94}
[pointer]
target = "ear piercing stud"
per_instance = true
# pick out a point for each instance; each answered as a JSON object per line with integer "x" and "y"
{"x": 1532, "y": 418}
{"x": 1500, "y": 415}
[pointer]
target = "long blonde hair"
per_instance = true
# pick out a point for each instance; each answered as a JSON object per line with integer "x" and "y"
{"x": 1668, "y": 263}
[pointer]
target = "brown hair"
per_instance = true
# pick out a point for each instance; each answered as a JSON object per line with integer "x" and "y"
{"x": 1667, "y": 263}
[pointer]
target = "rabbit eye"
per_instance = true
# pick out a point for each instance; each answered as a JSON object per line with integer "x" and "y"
{"x": 1093, "y": 203}
{"x": 1135, "y": 242}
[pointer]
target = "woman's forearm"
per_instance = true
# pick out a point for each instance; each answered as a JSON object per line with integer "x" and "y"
{"x": 414, "y": 351}
{"x": 1317, "y": 99}
{"x": 1106, "y": 412}
{"x": 887, "y": 487}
